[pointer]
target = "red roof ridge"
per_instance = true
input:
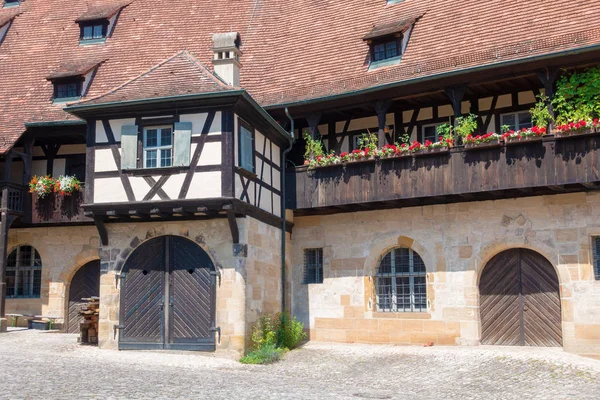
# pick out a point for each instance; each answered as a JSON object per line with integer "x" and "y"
{"x": 183, "y": 53}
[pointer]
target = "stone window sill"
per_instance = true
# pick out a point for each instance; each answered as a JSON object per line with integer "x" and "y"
{"x": 402, "y": 315}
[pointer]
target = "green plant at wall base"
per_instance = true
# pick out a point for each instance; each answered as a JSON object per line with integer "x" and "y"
{"x": 290, "y": 332}
{"x": 265, "y": 355}
{"x": 466, "y": 125}
{"x": 540, "y": 115}
{"x": 577, "y": 96}
{"x": 263, "y": 332}
{"x": 313, "y": 149}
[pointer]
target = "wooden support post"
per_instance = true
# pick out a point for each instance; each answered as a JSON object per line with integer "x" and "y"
{"x": 233, "y": 227}
{"x": 548, "y": 77}
{"x": 27, "y": 164}
{"x": 101, "y": 230}
{"x": 6, "y": 221}
{"x": 455, "y": 95}
{"x": 50, "y": 151}
{"x": 313, "y": 124}
{"x": 381, "y": 107}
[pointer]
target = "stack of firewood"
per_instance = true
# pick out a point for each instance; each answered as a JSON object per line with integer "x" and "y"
{"x": 89, "y": 325}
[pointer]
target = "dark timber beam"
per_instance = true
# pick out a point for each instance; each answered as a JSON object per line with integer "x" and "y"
{"x": 233, "y": 226}
{"x": 313, "y": 124}
{"x": 50, "y": 151}
{"x": 99, "y": 222}
{"x": 381, "y": 108}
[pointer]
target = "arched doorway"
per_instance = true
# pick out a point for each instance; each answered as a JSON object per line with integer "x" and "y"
{"x": 520, "y": 300}
{"x": 85, "y": 283}
{"x": 168, "y": 297}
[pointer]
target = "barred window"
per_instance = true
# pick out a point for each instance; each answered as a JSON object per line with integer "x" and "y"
{"x": 401, "y": 282}
{"x": 596, "y": 245}
{"x": 24, "y": 273}
{"x": 313, "y": 265}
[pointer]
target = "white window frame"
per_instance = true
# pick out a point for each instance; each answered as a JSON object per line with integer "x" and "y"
{"x": 159, "y": 147}
{"x": 516, "y": 115}
{"x": 429, "y": 126}
{"x": 29, "y": 270}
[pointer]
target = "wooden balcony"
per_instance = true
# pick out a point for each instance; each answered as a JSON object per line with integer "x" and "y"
{"x": 548, "y": 166}
{"x": 54, "y": 209}
{"x": 12, "y": 197}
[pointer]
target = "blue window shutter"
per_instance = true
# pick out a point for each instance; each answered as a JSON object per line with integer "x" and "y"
{"x": 182, "y": 139}
{"x": 129, "y": 146}
{"x": 247, "y": 150}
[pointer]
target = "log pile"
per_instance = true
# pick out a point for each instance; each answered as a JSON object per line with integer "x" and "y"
{"x": 89, "y": 326}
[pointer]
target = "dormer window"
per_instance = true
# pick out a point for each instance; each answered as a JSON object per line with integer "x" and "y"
{"x": 93, "y": 30}
{"x": 387, "y": 43}
{"x": 11, "y": 3}
{"x": 67, "y": 88}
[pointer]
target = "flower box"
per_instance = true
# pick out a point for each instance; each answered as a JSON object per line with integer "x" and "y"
{"x": 522, "y": 140}
{"x": 396, "y": 156}
{"x": 430, "y": 152}
{"x": 481, "y": 146}
{"x": 558, "y": 135}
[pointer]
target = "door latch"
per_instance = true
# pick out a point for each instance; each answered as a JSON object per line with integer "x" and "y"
{"x": 116, "y": 328}
{"x": 218, "y": 330}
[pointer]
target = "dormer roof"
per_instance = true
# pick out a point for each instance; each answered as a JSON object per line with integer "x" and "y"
{"x": 399, "y": 26}
{"x": 102, "y": 10}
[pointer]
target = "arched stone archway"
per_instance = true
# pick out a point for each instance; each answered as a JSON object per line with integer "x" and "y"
{"x": 520, "y": 300}
{"x": 168, "y": 296}
{"x": 85, "y": 284}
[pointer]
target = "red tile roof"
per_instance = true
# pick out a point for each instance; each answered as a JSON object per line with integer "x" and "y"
{"x": 292, "y": 51}
{"x": 7, "y": 15}
{"x": 399, "y": 26}
{"x": 75, "y": 68}
{"x": 179, "y": 75}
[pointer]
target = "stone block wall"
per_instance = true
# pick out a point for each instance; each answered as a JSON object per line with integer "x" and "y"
{"x": 455, "y": 242}
{"x": 63, "y": 251}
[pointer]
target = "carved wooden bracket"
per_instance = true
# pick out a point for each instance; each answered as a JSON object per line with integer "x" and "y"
{"x": 455, "y": 95}
{"x": 101, "y": 230}
{"x": 233, "y": 227}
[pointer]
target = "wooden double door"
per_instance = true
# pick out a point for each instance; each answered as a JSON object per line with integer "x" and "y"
{"x": 167, "y": 297}
{"x": 520, "y": 301}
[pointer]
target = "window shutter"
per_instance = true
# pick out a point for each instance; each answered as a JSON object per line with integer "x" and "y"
{"x": 247, "y": 150}
{"x": 182, "y": 139}
{"x": 129, "y": 146}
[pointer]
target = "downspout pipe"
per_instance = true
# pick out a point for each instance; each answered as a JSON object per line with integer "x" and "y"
{"x": 284, "y": 219}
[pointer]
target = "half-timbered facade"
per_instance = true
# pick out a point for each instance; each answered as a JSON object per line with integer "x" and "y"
{"x": 187, "y": 126}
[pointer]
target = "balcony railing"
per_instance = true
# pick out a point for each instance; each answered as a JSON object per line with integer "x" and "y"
{"x": 543, "y": 167}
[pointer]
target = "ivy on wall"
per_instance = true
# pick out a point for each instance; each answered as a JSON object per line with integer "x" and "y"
{"x": 577, "y": 96}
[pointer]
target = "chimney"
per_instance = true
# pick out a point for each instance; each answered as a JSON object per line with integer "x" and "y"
{"x": 226, "y": 59}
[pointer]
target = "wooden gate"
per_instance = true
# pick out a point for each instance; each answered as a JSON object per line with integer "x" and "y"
{"x": 85, "y": 283}
{"x": 520, "y": 300}
{"x": 167, "y": 299}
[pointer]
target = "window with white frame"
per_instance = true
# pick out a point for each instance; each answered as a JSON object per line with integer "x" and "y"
{"x": 516, "y": 121}
{"x": 158, "y": 146}
{"x": 429, "y": 132}
{"x": 401, "y": 284}
{"x": 246, "y": 146}
{"x": 24, "y": 273}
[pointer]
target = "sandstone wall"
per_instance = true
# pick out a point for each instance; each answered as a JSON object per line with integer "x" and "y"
{"x": 63, "y": 251}
{"x": 455, "y": 241}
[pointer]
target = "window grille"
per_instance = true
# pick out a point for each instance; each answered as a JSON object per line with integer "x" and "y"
{"x": 401, "y": 282}
{"x": 596, "y": 245}
{"x": 24, "y": 273}
{"x": 313, "y": 266}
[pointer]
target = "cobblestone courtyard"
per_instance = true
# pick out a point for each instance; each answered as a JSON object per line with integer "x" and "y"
{"x": 49, "y": 365}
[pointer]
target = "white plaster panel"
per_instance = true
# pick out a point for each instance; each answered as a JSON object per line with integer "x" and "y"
{"x": 445, "y": 111}
{"x": 264, "y": 172}
{"x": 276, "y": 157}
{"x": 407, "y": 115}
{"x": 109, "y": 190}
{"x": 277, "y": 205}
{"x": 492, "y": 125}
{"x": 100, "y": 133}
{"x": 38, "y": 167}
{"x": 465, "y": 107}
{"x": 71, "y": 149}
{"x": 173, "y": 185}
{"x": 38, "y": 152}
{"x": 139, "y": 187}
{"x": 425, "y": 114}
{"x": 323, "y": 129}
{"x": 339, "y": 126}
{"x": 117, "y": 124}
{"x": 504, "y": 100}
{"x": 389, "y": 119}
{"x": 104, "y": 160}
{"x": 237, "y": 186}
{"x": 276, "y": 179}
{"x": 59, "y": 167}
{"x": 198, "y": 121}
{"x": 362, "y": 124}
{"x": 265, "y": 200}
{"x": 485, "y": 103}
{"x": 211, "y": 154}
{"x": 526, "y": 97}
{"x": 205, "y": 184}
{"x": 259, "y": 141}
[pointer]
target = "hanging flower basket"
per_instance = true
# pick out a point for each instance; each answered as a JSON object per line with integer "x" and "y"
{"x": 67, "y": 185}
{"x": 41, "y": 186}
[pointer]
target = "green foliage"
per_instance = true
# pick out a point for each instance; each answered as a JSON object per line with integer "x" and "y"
{"x": 466, "y": 125}
{"x": 267, "y": 354}
{"x": 445, "y": 130}
{"x": 403, "y": 138}
{"x": 505, "y": 128}
{"x": 369, "y": 141}
{"x": 313, "y": 148}
{"x": 272, "y": 337}
{"x": 540, "y": 115}
{"x": 290, "y": 332}
{"x": 577, "y": 96}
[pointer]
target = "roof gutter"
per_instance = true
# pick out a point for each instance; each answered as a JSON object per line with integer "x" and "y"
{"x": 46, "y": 124}
{"x": 448, "y": 74}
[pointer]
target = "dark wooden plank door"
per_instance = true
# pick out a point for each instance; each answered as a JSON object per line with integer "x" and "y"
{"x": 142, "y": 297}
{"x": 85, "y": 283}
{"x": 520, "y": 301}
{"x": 191, "y": 297}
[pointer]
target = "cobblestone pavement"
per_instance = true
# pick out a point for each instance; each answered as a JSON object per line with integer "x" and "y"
{"x": 35, "y": 364}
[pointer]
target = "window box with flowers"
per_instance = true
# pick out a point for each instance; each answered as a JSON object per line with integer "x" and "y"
{"x": 486, "y": 141}
{"x": 525, "y": 135}
{"x": 442, "y": 146}
{"x": 390, "y": 151}
{"x": 581, "y": 128}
